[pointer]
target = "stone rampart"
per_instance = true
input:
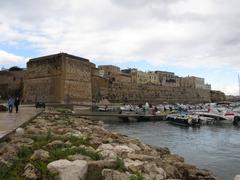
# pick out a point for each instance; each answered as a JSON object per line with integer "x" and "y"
{"x": 59, "y": 78}
{"x": 134, "y": 93}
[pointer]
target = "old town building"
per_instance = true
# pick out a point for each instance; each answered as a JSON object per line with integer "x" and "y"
{"x": 11, "y": 82}
{"x": 68, "y": 79}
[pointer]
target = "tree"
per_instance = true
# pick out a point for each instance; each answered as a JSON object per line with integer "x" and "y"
{"x": 15, "y": 68}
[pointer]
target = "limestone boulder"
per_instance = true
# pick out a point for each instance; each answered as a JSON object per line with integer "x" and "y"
{"x": 67, "y": 170}
{"x": 154, "y": 171}
{"x": 133, "y": 166}
{"x": 102, "y": 164}
{"x": 78, "y": 157}
{"x": 74, "y": 134}
{"x": 9, "y": 151}
{"x": 3, "y": 162}
{"x": 134, "y": 146}
{"x": 108, "y": 154}
{"x": 105, "y": 147}
{"x": 20, "y": 131}
{"x": 141, "y": 157}
{"x": 56, "y": 144}
{"x": 25, "y": 141}
{"x": 40, "y": 155}
{"x": 107, "y": 151}
{"x": 237, "y": 177}
{"x": 110, "y": 174}
{"x": 173, "y": 158}
{"x": 121, "y": 149}
{"x": 30, "y": 172}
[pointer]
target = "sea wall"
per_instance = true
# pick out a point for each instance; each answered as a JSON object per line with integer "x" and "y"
{"x": 134, "y": 93}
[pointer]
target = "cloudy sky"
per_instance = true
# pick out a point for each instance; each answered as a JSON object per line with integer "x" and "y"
{"x": 188, "y": 37}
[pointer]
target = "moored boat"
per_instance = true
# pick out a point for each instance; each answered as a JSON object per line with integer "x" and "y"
{"x": 184, "y": 120}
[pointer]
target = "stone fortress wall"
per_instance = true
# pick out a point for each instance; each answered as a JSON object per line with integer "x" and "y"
{"x": 139, "y": 93}
{"x": 59, "y": 78}
{"x": 11, "y": 83}
{"x": 67, "y": 79}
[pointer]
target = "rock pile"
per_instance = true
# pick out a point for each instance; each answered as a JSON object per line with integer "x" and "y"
{"x": 74, "y": 148}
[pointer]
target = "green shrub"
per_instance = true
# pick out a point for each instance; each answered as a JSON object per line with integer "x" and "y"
{"x": 137, "y": 176}
{"x": 120, "y": 165}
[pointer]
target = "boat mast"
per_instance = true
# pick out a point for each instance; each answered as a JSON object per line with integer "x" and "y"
{"x": 239, "y": 84}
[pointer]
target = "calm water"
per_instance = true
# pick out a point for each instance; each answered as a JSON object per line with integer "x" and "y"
{"x": 216, "y": 148}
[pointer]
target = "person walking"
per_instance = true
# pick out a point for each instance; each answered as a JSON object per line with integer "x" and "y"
{"x": 16, "y": 103}
{"x": 10, "y": 104}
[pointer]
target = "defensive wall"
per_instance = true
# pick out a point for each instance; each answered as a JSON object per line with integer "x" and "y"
{"x": 59, "y": 78}
{"x": 141, "y": 93}
{"x": 67, "y": 79}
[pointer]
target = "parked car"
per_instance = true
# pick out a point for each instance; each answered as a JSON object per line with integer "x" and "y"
{"x": 40, "y": 105}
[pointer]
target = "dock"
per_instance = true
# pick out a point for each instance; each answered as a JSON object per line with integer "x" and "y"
{"x": 126, "y": 117}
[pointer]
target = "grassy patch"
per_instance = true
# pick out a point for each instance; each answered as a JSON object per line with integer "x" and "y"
{"x": 120, "y": 165}
{"x": 63, "y": 110}
{"x": 137, "y": 176}
{"x": 94, "y": 175}
{"x": 42, "y": 169}
{"x": 76, "y": 141}
{"x": 15, "y": 171}
{"x": 56, "y": 154}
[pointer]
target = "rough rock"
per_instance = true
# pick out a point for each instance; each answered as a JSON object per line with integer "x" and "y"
{"x": 141, "y": 157}
{"x": 173, "y": 158}
{"x": 56, "y": 144}
{"x": 171, "y": 171}
{"x": 107, "y": 151}
{"x": 154, "y": 171}
{"x": 67, "y": 170}
{"x": 237, "y": 177}
{"x": 9, "y": 151}
{"x": 105, "y": 147}
{"x": 25, "y": 141}
{"x": 120, "y": 149}
{"x": 40, "y": 155}
{"x": 74, "y": 134}
{"x": 110, "y": 174}
{"x": 3, "y": 162}
{"x": 102, "y": 164}
{"x": 20, "y": 131}
{"x": 30, "y": 172}
{"x": 79, "y": 157}
{"x": 134, "y": 166}
{"x": 134, "y": 146}
{"x": 108, "y": 154}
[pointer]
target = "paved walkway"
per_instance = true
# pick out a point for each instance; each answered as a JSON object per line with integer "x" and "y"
{"x": 11, "y": 121}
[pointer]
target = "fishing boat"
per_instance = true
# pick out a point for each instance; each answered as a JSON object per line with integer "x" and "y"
{"x": 184, "y": 120}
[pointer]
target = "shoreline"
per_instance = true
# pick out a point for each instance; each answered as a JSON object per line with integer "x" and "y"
{"x": 65, "y": 145}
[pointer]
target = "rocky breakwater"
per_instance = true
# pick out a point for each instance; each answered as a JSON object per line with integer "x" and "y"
{"x": 60, "y": 145}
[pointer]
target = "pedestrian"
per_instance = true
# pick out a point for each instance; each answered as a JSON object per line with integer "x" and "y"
{"x": 16, "y": 103}
{"x": 10, "y": 104}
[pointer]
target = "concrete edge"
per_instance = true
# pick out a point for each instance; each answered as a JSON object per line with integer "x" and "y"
{"x": 4, "y": 137}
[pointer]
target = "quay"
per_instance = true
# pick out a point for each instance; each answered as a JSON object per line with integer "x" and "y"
{"x": 126, "y": 117}
{"x": 9, "y": 122}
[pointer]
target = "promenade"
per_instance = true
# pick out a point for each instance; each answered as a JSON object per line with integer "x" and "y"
{"x": 11, "y": 121}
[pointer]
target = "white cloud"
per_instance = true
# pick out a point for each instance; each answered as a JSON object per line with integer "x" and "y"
{"x": 183, "y": 33}
{"x": 10, "y": 59}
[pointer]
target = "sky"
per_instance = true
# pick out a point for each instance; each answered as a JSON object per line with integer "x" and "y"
{"x": 189, "y": 37}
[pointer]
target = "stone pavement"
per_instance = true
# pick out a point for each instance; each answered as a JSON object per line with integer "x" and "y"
{"x": 11, "y": 121}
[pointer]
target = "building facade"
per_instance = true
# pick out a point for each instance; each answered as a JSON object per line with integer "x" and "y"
{"x": 58, "y": 78}
{"x": 67, "y": 79}
{"x": 11, "y": 83}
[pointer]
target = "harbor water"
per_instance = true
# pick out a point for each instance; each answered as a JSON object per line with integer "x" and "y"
{"x": 212, "y": 147}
